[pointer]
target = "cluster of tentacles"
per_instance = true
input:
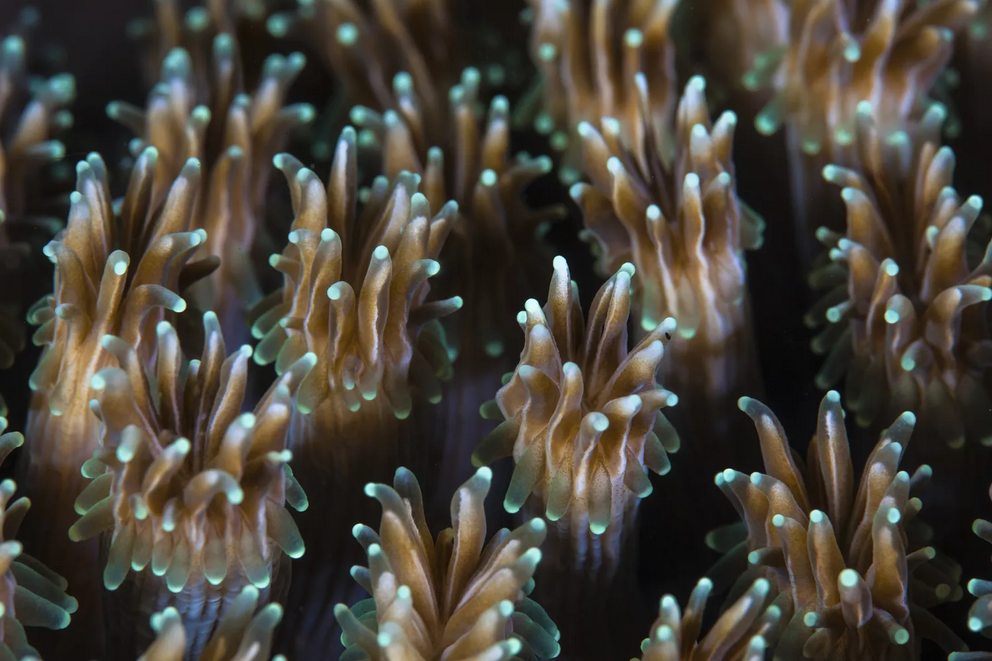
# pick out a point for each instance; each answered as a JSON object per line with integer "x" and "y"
{"x": 198, "y": 110}
{"x": 835, "y": 55}
{"x": 31, "y": 595}
{"x": 186, "y": 485}
{"x": 453, "y": 597}
{"x": 904, "y": 316}
{"x": 24, "y": 150}
{"x": 582, "y": 418}
{"x": 745, "y": 630}
{"x": 603, "y": 59}
{"x": 664, "y": 200}
{"x": 843, "y": 551}
{"x": 491, "y": 254}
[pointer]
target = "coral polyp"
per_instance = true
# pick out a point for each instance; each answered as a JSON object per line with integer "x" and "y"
{"x": 589, "y": 55}
{"x": 904, "y": 309}
{"x": 583, "y": 423}
{"x": 454, "y": 597}
{"x": 24, "y": 151}
{"x": 199, "y": 110}
{"x": 189, "y": 492}
{"x": 842, "y": 549}
{"x": 838, "y": 54}
{"x": 664, "y": 199}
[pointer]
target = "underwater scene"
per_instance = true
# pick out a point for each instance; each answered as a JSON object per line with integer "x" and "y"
{"x": 495, "y": 330}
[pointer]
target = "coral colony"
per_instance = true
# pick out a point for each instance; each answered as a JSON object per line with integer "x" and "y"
{"x": 266, "y": 399}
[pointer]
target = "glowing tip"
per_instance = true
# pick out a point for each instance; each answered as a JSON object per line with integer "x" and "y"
{"x": 180, "y": 306}
{"x": 653, "y": 212}
{"x": 488, "y": 178}
{"x": 485, "y": 473}
{"x": 634, "y": 38}
{"x": 778, "y": 520}
{"x": 381, "y": 253}
{"x": 559, "y": 263}
{"x": 347, "y": 34}
{"x": 833, "y": 396}
{"x": 614, "y": 166}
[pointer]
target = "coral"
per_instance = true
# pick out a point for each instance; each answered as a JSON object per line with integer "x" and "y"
{"x": 495, "y": 236}
{"x": 355, "y": 295}
{"x": 454, "y": 597}
{"x": 365, "y": 49}
{"x": 838, "y": 54}
{"x": 26, "y": 145}
{"x": 582, "y": 414}
{"x": 344, "y": 299}
{"x": 116, "y": 272}
{"x": 29, "y": 145}
{"x": 582, "y": 422}
{"x": 903, "y": 313}
{"x": 664, "y": 199}
{"x": 492, "y": 258}
{"x": 589, "y": 55}
{"x": 31, "y": 595}
{"x": 185, "y": 483}
{"x": 841, "y": 549}
{"x": 193, "y": 31}
{"x": 198, "y": 110}
{"x": 744, "y": 631}
{"x": 242, "y": 635}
